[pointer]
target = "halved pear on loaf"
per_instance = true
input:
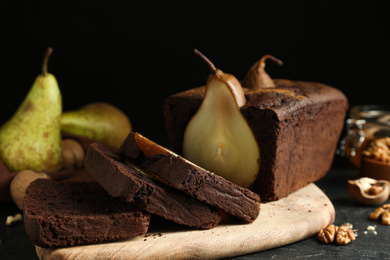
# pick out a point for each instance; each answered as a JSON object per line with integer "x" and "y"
{"x": 218, "y": 137}
{"x": 296, "y": 125}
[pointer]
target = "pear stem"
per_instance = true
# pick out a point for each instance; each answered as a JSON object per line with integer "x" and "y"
{"x": 46, "y": 60}
{"x": 268, "y": 56}
{"x": 203, "y": 57}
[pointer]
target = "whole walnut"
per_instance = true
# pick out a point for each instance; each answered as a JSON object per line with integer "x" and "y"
{"x": 73, "y": 154}
{"x": 20, "y": 183}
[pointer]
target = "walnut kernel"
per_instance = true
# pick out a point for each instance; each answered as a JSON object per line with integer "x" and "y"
{"x": 345, "y": 235}
{"x": 327, "y": 234}
{"x": 375, "y": 189}
{"x": 386, "y": 218}
{"x": 383, "y": 213}
{"x": 379, "y": 150}
{"x": 376, "y": 214}
{"x": 386, "y": 206}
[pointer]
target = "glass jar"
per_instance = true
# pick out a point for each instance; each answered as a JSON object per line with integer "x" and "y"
{"x": 364, "y": 123}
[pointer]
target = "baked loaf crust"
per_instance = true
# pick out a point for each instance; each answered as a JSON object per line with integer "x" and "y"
{"x": 297, "y": 125}
{"x": 192, "y": 179}
{"x": 132, "y": 186}
{"x": 61, "y": 214}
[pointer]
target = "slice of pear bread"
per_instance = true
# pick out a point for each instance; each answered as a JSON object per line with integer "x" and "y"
{"x": 190, "y": 178}
{"x": 132, "y": 185}
{"x": 61, "y": 214}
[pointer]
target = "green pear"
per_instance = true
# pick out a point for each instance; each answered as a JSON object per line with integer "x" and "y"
{"x": 31, "y": 138}
{"x": 218, "y": 137}
{"x": 99, "y": 121}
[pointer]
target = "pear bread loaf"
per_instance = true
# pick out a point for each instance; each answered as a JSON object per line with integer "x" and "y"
{"x": 132, "y": 185}
{"x": 190, "y": 178}
{"x": 297, "y": 125}
{"x": 61, "y": 214}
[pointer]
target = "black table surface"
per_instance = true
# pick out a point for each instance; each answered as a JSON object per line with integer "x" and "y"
{"x": 14, "y": 244}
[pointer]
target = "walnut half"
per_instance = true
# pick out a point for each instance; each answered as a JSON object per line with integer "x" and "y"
{"x": 369, "y": 191}
{"x": 345, "y": 235}
{"x": 327, "y": 235}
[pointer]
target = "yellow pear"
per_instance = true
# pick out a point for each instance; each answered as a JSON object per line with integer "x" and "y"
{"x": 218, "y": 137}
{"x": 31, "y": 138}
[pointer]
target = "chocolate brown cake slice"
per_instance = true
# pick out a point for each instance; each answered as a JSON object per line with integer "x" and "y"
{"x": 130, "y": 184}
{"x": 76, "y": 213}
{"x": 191, "y": 179}
{"x": 297, "y": 125}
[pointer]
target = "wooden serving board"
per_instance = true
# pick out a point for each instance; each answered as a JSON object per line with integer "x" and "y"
{"x": 301, "y": 215}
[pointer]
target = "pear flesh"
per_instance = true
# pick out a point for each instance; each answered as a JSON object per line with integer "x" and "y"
{"x": 219, "y": 139}
{"x": 99, "y": 121}
{"x": 31, "y": 138}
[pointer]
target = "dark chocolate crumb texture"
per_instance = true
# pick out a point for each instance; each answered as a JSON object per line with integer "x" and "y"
{"x": 133, "y": 186}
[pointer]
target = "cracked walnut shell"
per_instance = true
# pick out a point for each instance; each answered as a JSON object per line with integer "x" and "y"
{"x": 369, "y": 191}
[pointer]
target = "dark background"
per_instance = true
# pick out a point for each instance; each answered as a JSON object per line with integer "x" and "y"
{"x": 134, "y": 54}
